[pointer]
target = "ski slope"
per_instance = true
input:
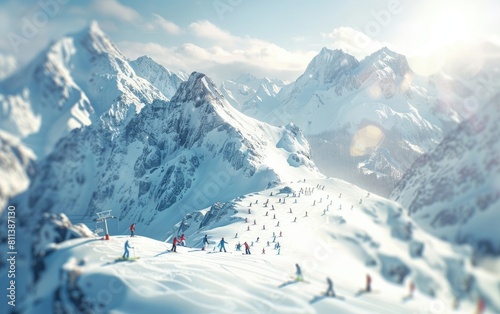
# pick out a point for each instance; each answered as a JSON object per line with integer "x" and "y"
{"x": 342, "y": 244}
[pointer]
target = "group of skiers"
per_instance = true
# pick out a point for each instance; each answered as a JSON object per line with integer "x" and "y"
{"x": 181, "y": 240}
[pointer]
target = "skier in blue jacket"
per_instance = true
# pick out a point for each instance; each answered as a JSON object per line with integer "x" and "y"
{"x": 126, "y": 254}
{"x": 221, "y": 245}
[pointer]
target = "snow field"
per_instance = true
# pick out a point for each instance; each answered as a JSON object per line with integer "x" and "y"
{"x": 342, "y": 244}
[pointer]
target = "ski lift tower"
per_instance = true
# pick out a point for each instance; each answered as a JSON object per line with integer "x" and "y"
{"x": 102, "y": 216}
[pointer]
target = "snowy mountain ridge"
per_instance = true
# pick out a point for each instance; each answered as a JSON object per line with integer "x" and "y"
{"x": 79, "y": 80}
{"x": 170, "y": 158}
{"x": 454, "y": 190}
{"x": 247, "y": 93}
{"x": 163, "y": 79}
{"x": 338, "y": 97}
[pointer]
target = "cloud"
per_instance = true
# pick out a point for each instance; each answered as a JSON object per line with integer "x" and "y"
{"x": 352, "y": 41}
{"x": 221, "y": 55}
{"x": 205, "y": 29}
{"x": 116, "y": 10}
{"x": 165, "y": 25}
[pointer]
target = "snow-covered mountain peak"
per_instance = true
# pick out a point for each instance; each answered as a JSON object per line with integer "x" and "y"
{"x": 162, "y": 78}
{"x": 329, "y": 64}
{"x": 197, "y": 89}
{"x": 385, "y": 59}
{"x": 148, "y": 61}
{"x": 80, "y": 79}
{"x": 96, "y": 41}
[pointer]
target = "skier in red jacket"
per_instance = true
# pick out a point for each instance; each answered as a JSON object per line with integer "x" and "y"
{"x": 247, "y": 248}
{"x": 174, "y": 245}
{"x": 132, "y": 229}
{"x": 182, "y": 240}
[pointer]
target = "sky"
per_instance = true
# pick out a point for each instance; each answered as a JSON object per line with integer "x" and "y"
{"x": 276, "y": 39}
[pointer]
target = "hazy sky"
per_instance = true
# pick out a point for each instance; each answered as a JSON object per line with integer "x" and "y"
{"x": 265, "y": 38}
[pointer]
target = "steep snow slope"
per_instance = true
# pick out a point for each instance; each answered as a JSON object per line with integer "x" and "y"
{"x": 161, "y": 78}
{"x": 374, "y": 237}
{"x": 77, "y": 80}
{"x": 171, "y": 158}
{"x": 338, "y": 97}
{"x": 454, "y": 191}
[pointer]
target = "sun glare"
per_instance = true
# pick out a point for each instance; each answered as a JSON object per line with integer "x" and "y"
{"x": 446, "y": 28}
{"x": 452, "y": 26}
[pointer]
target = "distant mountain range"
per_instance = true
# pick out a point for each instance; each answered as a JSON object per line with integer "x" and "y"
{"x": 89, "y": 127}
{"x": 367, "y": 121}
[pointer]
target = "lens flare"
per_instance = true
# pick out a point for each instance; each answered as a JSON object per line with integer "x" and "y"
{"x": 366, "y": 138}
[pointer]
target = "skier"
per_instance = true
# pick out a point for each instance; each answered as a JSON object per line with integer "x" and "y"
{"x": 263, "y": 251}
{"x": 126, "y": 254}
{"x": 278, "y": 224}
{"x": 205, "y": 241}
{"x": 412, "y": 289}
{"x": 267, "y": 213}
{"x": 238, "y": 247}
{"x": 221, "y": 245}
{"x": 290, "y": 210}
{"x": 249, "y": 211}
{"x": 132, "y": 229}
{"x": 182, "y": 240}
{"x": 295, "y": 220}
{"x": 281, "y": 234}
{"x": 246, "y": 219}
{"x": 247, "y": 248}
{"x": 481, "y": 306}
{"x": 274, "y": 216}
{"x": 257, "y": 239}
{"x": 329, "y": 292}
{"x": 254, "y": 222}
{"x": 174, "y": 245}
{"x": 298, "y": 273}
{"x": 368, "y": 283}
{"x": 306, "y": 214}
